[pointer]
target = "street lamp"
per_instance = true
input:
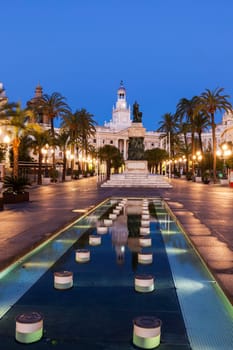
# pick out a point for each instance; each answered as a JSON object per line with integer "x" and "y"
{"x": 224, "y": 152}
{"x": 44, "y": 151}
{"x": 197, "y": 158}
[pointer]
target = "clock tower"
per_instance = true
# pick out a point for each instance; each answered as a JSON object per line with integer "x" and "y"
{"x": 121, "y": 112}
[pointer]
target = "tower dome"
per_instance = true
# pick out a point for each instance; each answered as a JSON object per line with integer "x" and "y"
{"x": 38, "y": 91}
{"x": 3, "y": 98}
{"x": 121, "y": 112}
{"x": 121, "y": 92}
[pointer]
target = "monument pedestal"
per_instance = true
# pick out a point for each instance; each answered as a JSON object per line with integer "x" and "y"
{"x": 136, "y": 166}
{"x": 136, "y": 172}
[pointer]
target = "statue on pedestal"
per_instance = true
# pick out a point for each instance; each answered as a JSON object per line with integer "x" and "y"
{"x": 137, "y": 115}
{"x": 136, "y": 144}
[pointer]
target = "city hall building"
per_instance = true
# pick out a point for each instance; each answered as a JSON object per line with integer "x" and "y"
{"x": 116, "y": 131}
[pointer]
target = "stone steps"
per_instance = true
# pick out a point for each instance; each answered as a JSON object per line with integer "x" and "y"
{"x": 137, "y": 180}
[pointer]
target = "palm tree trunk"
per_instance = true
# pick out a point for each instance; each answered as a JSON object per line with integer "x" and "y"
{"x": 15, "y": 145}
{"x": 72, "y": 159}
{"x": 53, "y": 138}
{"x": 64, "y": 166}
{"x": 108, "y": 169}
{"x": 200, "y": 142}
{"x": 193, "y": 150}
{"x": 39, "y": 176}
{"x": 213, "y": 126}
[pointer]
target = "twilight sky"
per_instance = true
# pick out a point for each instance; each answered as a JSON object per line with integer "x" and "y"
{"x": 163, "y": 50}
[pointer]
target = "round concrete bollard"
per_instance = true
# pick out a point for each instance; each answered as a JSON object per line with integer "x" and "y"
{"x": 144, "y": 283}
{"x": 112, "y": 216}
{"x": 144, "y": 207}
{"x": 102, "y": 229}
{"x": 145, "y": 223}
{"x": 145, "y": 258}
{"x": 94, "y": 240}
{"x": 82, "y": 255}
{"x": 145, "y": 217}
{"x": 29, "y": 327}
{"x": 116, "y": 211}
{"x": 145, "y": 241}
{"x": 144, "y": 230}
{"x": 63, "y": 280}
{"x": 118, "y": 207}
{"x": 146, "y": 332}
{"x": 107, "y": 222}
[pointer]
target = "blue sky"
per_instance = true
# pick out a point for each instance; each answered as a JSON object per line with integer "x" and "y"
{"x": 163, "y": 50}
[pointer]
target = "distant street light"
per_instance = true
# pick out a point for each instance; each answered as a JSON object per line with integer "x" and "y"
{"x": 197, "y": 158}
{"x": 224, "y": 152}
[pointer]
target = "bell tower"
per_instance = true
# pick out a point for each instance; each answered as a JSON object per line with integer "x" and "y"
{"x": 3, "y": 98}
{"x": 121, "y": 112}
{"x": 35, "y": 102}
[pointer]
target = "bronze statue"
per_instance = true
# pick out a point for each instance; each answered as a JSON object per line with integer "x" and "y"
{"x": 137, "y": 115}
{"x": 136, "y": 144}
{"x": 136, "y": 148}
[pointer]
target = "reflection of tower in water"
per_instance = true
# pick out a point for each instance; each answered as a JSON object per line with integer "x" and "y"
{"x": 119, "y": 240}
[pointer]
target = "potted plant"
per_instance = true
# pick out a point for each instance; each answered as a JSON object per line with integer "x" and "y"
{"x": 68, "y": 174}
{"x": 15, "y": 189}
{"x": 189, "y": 175}
{"x": 206, "y": 177}
{"x": 76, "y": 174}
{"x": 53, "y": 174}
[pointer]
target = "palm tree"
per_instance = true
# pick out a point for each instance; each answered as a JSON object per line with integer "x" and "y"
{"x": 155, "y": 157}
{"x": 19, "y": 122}
{"x": 54, "y": 106}
{"x": 112, "y": 156}
{"x": 25, "y": 149}
{"x": 70, "y": 123}
{"x": 62, "y": 140}
{"x": 185, "y": 111}
{"x": 184, "y": 128}
{"x": 169, "y": 128}
{"x": 86, "y": 127}
{"x": 209, "y": 102}
{"x": 81, "y": 126}
{"x": 39, "y": 139}
{"x": 201, "y": 123}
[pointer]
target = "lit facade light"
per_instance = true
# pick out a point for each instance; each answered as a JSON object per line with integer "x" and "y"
{"x": 6, "y": 139}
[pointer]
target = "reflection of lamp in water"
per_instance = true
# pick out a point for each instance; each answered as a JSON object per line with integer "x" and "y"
{"x": 119, "y": 240}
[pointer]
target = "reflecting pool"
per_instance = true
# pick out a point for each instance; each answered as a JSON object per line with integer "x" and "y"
{"x": 98, "y": 311}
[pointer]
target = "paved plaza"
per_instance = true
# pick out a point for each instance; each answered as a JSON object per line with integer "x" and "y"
{"x": 204, "y": 211}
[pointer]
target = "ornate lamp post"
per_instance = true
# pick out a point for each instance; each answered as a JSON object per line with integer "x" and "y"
{"x": 197, "y": 158}
{"x": 224, "y": 152}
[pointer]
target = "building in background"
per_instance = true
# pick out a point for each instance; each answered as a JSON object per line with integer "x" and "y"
{"x": 116, "y": 131}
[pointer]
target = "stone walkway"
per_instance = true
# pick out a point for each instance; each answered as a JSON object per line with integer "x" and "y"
{"x": 204, "y": 211}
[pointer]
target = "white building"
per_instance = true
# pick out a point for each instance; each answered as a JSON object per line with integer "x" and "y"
{"x": 116, "y": 132}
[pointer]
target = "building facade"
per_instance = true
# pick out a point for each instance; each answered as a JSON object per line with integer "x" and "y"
{"x": 116, "y": 131}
